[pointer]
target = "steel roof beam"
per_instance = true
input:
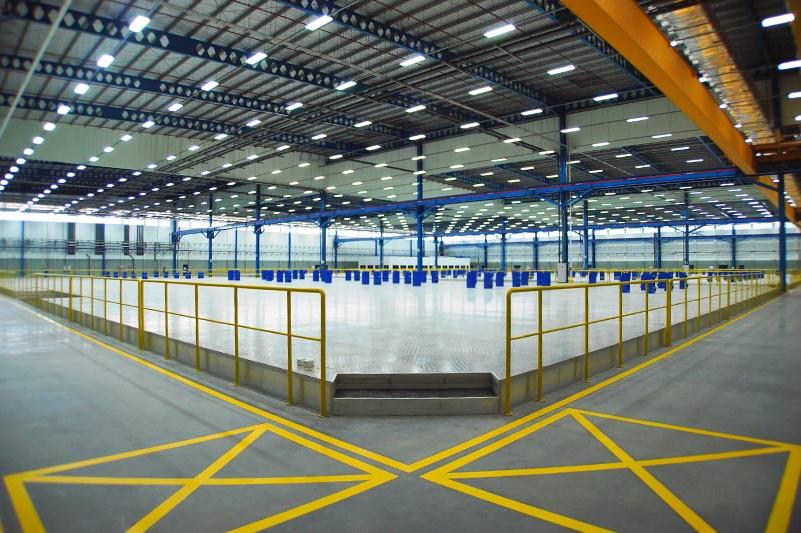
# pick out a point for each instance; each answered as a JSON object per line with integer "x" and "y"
{"x": 523, "y": 173}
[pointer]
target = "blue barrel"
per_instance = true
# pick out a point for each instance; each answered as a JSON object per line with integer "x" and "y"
{"x": 407, "y": 277}
{"x": 155, "y": 273}
{"x": 316, "y": 275}
{"x": 434, "y": 276}
{"x": 543, "y": 279}
{"x": 125, "y": 275}
{"x": 515, "y": 278}
{"x": 663, "y": 275}
{"x": 144, "y": 275}
{"x": 365, "y": 277}
{"x": 280, "y": 276}
{"x": 237, "y": 275}
{"x": 165, "y": 274}
{"x": 230, "y": 275}
{"x": 187, "y": 275}
{"x": 487, "y": 280}
{"x": 593, "y": 277}
{"x": 328, "y": 276}
{"x": 395, "y": 277}
{"x": 302, "y": 274}
{"x": 376, "y": 277}
{"x": 175, "y": 275}
{"x": 524, "y": 279}
{"x": 417, "y": 278}
{"x": 116, "y": 274}
{"x": 357, "y": 276}
{"x": 201, "y": 275}
{"x": 682, "y": 280}
{"x": 472, "y": 279}
{"x": 288, "y": 277}
{"x": 385, "y": 275}
{"x": 499, "y": 277}
{"x": 347, "y": 275}
{"x": 623, "y": 276}
{"x": 270, "y": 275}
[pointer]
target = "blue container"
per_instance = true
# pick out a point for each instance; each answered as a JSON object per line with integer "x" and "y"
{"x": 499, "y": 278}
{"x": 407, "y": 277}
{"x": 187, "y": 275}
{"x": 417, "y": 278}
{"x": 316, "y": 275}
{"x": 376, "y": 277}
{"x": 395, "y": 277}
{"x": 434, "y": 277}
{"x": 357, "y": 276}
{"x": 328, "y": 276}
{"x": 472, "y": 279}
{"x": 116, "y": 274}
{"x": 125, "y": 275}
{"x": 515, "y": 278}
{"x": 201, "y": 275}
{"x": 175, "y": 275}
{"x": 663, "y": 275}
{"x": 230, "y": 275}
{"x": 270, "y": 275}
{"x": 302, "y": 274}
{"x": 280, "y": 276}
{"x": 593, "y": 277}
{"x": 144, "y": 275}
{"x": 487, "y": 280}
{"x": 155, "y": 273}
{"x": 524, "y": 279}
{"x": 365, "y": 278}
{"x": 622, "y": 276}
{"x": 543, "y": 279}
{"x": 165, "y": 274}
{"x": 682, "y": 279}
{"x": 288, "y": 276}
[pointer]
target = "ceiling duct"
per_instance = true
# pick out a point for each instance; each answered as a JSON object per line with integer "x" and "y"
{"x": 691, "y": 31}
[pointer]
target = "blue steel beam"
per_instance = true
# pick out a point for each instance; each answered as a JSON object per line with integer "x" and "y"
{"x": 536, "y": 192}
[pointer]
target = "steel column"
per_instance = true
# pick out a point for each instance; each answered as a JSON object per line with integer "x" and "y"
{"x": 782, "y": 236}
{"x": 686, "y": 217}
{"x": 733, "y": 246}
{"x": 593, "y": 264}
{"x": 585, "y": 235}
{"x": 258, "y": 230}
{"x": 658, "y": 248}
{"x": 419, "y": 210}
{"x": 210, "y": 234}
{"x": 173, "y": 241}
{"x": 564, "y": 250}
{"x": 289, "y": 250}
{"x": 236, "y": 249}
{"x": 381, "y": 245}
{"x": 486, "y": 250}
{"x": 536, "y": 251}
{"x": 21, "y": 248}
{"x": 436, "y": 250}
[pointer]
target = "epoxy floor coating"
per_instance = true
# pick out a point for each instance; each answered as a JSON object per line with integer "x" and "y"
{"x": 391, "y": 328}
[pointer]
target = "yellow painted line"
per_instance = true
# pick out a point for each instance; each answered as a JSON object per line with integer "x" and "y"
{"x": 524, "y": 508}
{"x": 779, "y": 520}
{"x": 684, "y": 429}
{"x": 150, "y": 519}
{"x": 673, "y": 501}
{"x": 315, "y": 505}
{"x": 26, "y": 512}
{"x": 448, "y": 452}
{"x": 98, "y": 480}
{"x": 225, "y": 481}
{"x": 288, "y": 480}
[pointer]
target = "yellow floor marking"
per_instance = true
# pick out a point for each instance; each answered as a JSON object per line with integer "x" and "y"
{"x": 515, "y": 505}
{"x": 226, "y": 481}
{"x": 779, "y": 520}
{"x": 150, "y": 519}
{"x": 681, "y": 508}
{"x": 21, "y": 501}
{"x": 684, "y": 429}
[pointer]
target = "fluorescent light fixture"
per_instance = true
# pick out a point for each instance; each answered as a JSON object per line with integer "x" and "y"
{"x": 345, "y": 85}
{"x": 335, "y": 156}
{"x": 500, "y": 30}
{"x": 794, "y": 94}
{"x": 48, "y": 126}
{"x": 636, "y": 119}
{"x": 302, "y": 165}
{"x": 105, "y": 60}
{"x": 596, "y": 171}
{"x": 209, "y": 86}
{"x": 457, "y": 165}
{"x": 253, "y": 123}
{"x": 661, "y": 135}
{"x": 480, "y": 90}
{"x": 148, "y": 124}
{"x": 524, "y": 168}
{"x": 138, "y": 23}
{"x": 418, "y": 172}
{"x": 512, "y": 140}
{"x": 694, "y": 160}
{"x": 170, "y": 157}
{"x": 679, "y": 148}
{"x": 193, "y": 148}
{"x": 561, "y": 70}
{"x": 787, "y": 65}
{"x": 604, "y": 97}
{"x": 21, "y": 160}
{"x": 150, "y": 166}
{"x": 252, "y": 157}
{"x": 94, "y": 159}
{"x": 220, "y": 136}
{"x": 642, "y": 166}
{"x": 531, "y": 112}
{"x": 570, "y": 130}
{"x": 318, "y": 22}
{"x": 598, "y": 145}
{"x": 63, "y": 109}
{"x": 380, "y": 165}
{"x": 469, "y": 125}
{"x": 416, "y": 108}
{"x": 418, "y": 158}
{"x": 621, "y": 156}
{"x": 282, "y": 147}
{"x": 413, "y": 59}
{"x": 108, "y": 149}
{"x": 463, "y": 149}
{"x": 28, "y": 151}
{"x": 373, "y": 147}
{"x": 778, "y": 19}
{"x": 294, "y": 105}
{"x": 255, "y": 57}
{"x": 547, "y": 152}
{"x": 125, "y": 138}
{"x": 175, "y": 107}
{"x": 362, "y": 124}
{"x": 319, "y": 136}
{"x": 37, "y": 140}
{"x": 276, "y": 171}
{"x": 417, "y": 137}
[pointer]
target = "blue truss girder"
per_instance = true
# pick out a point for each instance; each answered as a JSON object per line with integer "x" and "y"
{"x": 118, "y": 30}
{"x": 535, "y": 192}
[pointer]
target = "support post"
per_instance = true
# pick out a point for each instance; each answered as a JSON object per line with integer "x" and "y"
{"x": 733, "y": 246}
{"x": 503, "y": 245}
{"x": 257, "y": 230}
{"x": 585, "y": 234}
{"x": 22, "y": 248}
{"x": 536, "y": 251}
{"x": 381, "y": 245}
{"x": 324, "y": 222}
{"x": 336, "y": 250}
{"x": 486, "y": 250}
{"x": 173, "y": 241}
{"x": 592, "y": 261}
{"x": 686, "y": 216}
{"x": 564, "y": 250}
{"x": 236, "y": 248}
{"x": 782, "y": 237}
{"x": 419, "y": 210}
{"x": 658, "y": 247}
{"x": 436, "y": 251}
{"x": 289, "y": 250}
{"x": 210, "y": 233}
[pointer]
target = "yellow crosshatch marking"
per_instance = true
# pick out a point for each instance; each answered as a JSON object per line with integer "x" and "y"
{"x": 779, "y": 520}
{"x": 370, "y": 477}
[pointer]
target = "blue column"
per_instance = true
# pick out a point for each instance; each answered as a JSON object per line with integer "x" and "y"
{"x": 658, "y": 247}
{"x": 564, "y": 251}
{"x": 289, "y": 250}
{"x": 210, "y": 233}
{"x": 21, "y": 248}
{"x": 173, "y": 241}
{"x": 586, "y": 235}
{"x": 536, "y": 251}
{"x": 486, "y": 249}
{"x": 733, "y": 246}
{"x": 381, "y": 245}
{"x": 336, "y": 251}
{"x": 593, "y": 264}
{"x": 236, "y": 249}
{"x": 503, "y": 245}
{"x": 257, "y": 230}
{"x": 436, "y": 250}
{"x": 782, "y": 237}
{"x": 419, "y": 213}
{"x": 323, "y": 233}
{"x": 686, "y": 258}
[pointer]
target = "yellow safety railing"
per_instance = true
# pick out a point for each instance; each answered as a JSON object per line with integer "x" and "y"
{"x": 725, "y": 292}
{"x": 44, "y": 289}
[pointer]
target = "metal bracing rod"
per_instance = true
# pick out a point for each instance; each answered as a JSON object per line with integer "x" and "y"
{"x": 56, "y": 22}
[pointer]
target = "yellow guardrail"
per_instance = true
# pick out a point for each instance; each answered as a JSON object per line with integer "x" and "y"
{"x": 38, "y": 289}
{"x": 725, "y": 290}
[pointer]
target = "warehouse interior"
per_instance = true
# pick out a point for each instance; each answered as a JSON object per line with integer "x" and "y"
{"x": 392, "y": 266}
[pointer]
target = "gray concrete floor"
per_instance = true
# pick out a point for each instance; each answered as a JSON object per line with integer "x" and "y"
{"x": 65, "y": 399}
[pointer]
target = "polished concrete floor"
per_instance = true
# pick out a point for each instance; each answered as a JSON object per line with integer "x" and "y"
{"x": 103, "y": 438}
{"x": 391, "y": 328}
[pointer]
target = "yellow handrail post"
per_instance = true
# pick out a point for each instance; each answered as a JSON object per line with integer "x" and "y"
{"x": 105, "y": 306}
{"x": 700, "y": 291}
{"x": 289, "y": 398}
{"x": 236, "y": 336}
{"x": 121, "y": 310}
{"x": 709, "y": 302}
{"x": 92, "y": 302}
{"x": 647, "y": 312}
{"x": 197, "y": 328}
{"x": 586, "y": 334}
{"x": 507, "y": 392}
{"x": 166, "y": 324}
{"x": 539, "y": 345}
{"x": 323, "y": 389}
{"x": 69, "y": 299}
{"x": 668, "y": 312}
{"x": 80, "y": 300}
{"x": 140, "y": 299}
{"x": 720, "y": 297}
{"x": 620, "y": 325}
{"x": 728, "y": 297}
{"x": 686, "y": 314}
